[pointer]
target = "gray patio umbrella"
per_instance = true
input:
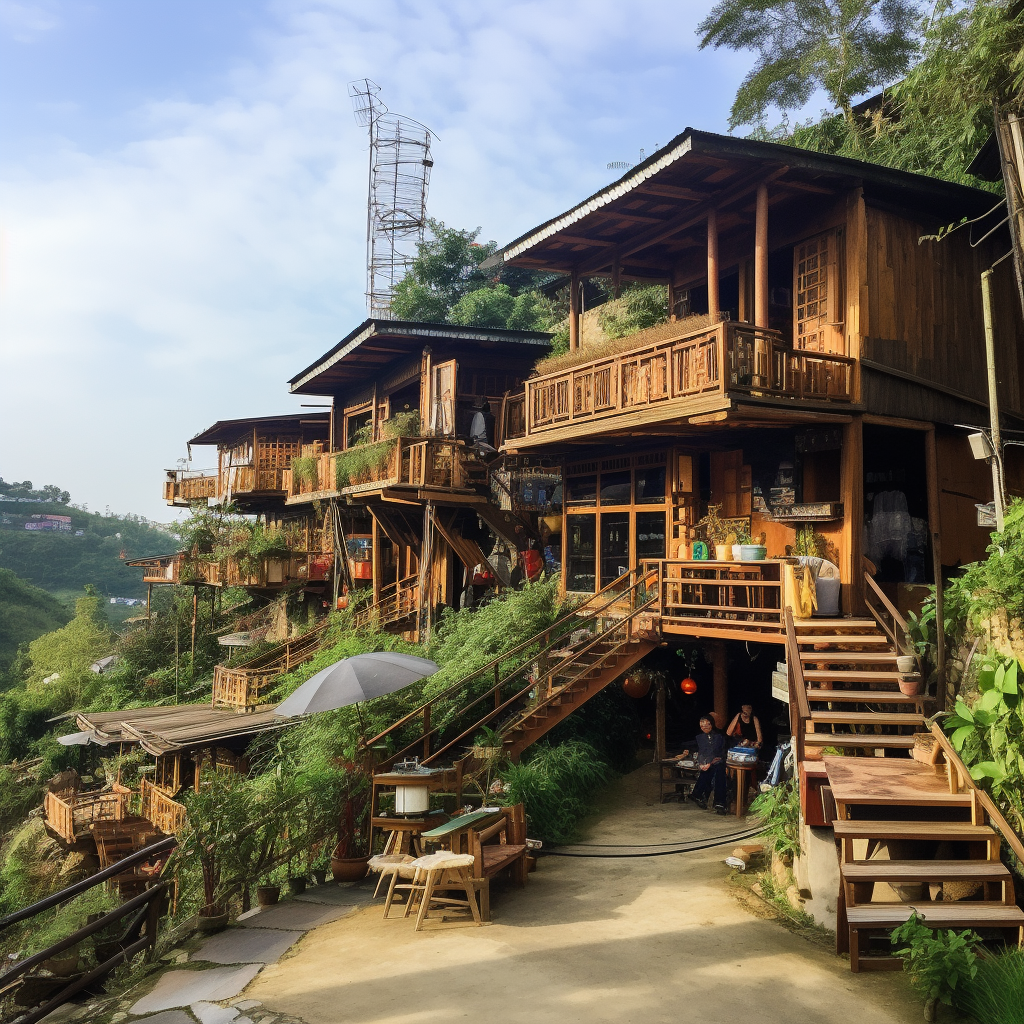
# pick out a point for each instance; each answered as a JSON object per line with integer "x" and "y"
{"x": 355, "y": 679}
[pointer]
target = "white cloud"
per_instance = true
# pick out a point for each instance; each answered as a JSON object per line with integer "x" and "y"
{"x": 183, "y": 277}
{"x": 23, "y": 22}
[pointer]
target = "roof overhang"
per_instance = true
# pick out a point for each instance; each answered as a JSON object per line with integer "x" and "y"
{"x": 374, "y": 344}
{"x": 228, "y": 431}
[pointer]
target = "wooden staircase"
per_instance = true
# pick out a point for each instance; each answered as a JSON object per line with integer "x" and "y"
{"x": 557, "y": 671}
{"x": 395, "y": 610}
{"x": 904, "y": 809}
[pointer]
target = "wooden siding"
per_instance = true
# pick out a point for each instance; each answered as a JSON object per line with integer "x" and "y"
{"x": 923, "y": 314}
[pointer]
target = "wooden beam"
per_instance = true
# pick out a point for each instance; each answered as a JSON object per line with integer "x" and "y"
{"x": 687, "y": 219}
{"x": 574, "y": 311}
{"x": 851, "y": 479}
{"x": 761, "y": 257}
{"x": 636, "y": 218}
{"x": 713, "y": 299}
{"x": 581, "y": 240}
{"x": 674, "y": 192}
{"x": 931, "y": 465}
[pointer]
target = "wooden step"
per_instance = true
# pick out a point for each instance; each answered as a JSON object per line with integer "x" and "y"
{"x": 955, "y": 914}
{"x": 804, "y": 625}
{"x": 867, "y": 718}
{"x": 953, "y": 831}
{"x": 807, "y": 639}
{"x": 852, "y": 739}
{"x": 862, "y": 696}
{"x": 926, "y": 871}
{"x": 851, "y": 657}
{"x": 852, "y": 675}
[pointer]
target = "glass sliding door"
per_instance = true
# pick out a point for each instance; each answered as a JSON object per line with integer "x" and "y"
{"x": 614, "y": 546}
{"x": 581, "y": 553}
{"x": 650, "y": 535}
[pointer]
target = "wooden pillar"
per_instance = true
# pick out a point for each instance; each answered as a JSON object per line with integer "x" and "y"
{"x": 761, "y": 258}
{"x": 574, "y": 311}
{"x": 374, "y": 426}
{"x": 149, "y": 603}
{"x": 617, "y": 280}
{"x": 931, "y": 464}
{"x": 195, "y": 615}
{"x": 375, "y": 561}
{"x": 713, "y": 300}
{"x": 720, "y": 667}
{"x": 659, "y": 722}
{"x": 851, "y": 479}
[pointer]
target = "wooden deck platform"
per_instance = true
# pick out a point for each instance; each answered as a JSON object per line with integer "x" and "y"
{"x": 885, "y": 780}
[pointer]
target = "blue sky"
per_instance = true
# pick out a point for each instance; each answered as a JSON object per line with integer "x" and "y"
{"x": 182, "y": 189}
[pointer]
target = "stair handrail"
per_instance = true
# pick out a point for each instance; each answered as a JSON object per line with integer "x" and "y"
{"x": 495, "y": 662}
{"x": 625, "y": 620}
{"x": 280, "y": 649}
{"x": 964, "y": 777}
{"x": 387, "y": 593}
{"x": 797, "y": 686}
{"x": 899, "y": 624}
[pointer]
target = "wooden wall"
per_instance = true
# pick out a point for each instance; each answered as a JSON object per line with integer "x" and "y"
{"x": 924, "y": 311}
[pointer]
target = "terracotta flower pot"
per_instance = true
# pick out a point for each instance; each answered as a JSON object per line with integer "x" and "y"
{"x": 910, "y": 687}
{"x": 348, "y": 869}
{"x": 268, "y": 895}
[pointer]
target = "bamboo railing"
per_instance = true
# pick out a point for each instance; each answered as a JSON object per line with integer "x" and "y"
{"x": 164, "y": 812}
{"x": 70, "y": 815}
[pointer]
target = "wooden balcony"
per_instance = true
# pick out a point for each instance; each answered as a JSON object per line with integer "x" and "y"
{"x": 183, "y": 488}
{"x": 296, "y": 567}
{"x": 731, "y": 600}
{"x": 417, "y": 462}
{"x": 70, "y": 813}
{"x": 666, "y": 378}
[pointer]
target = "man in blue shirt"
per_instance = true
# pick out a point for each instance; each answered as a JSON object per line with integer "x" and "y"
{"x": 710, "y": 747}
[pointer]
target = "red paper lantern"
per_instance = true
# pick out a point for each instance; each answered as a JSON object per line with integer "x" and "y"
{"x": 688, "y": 685}
{"x": 636, "y": 686}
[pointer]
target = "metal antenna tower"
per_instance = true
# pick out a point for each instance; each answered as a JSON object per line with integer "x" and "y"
{"x": 396, "y": 208}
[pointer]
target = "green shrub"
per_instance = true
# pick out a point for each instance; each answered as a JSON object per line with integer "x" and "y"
{"x": 640, "y": 307}
{"x": 304, "y": 470}
{"x": 557, "y": 785}
{"x": 996, "y": 992}
{"x": 937, "y": 960}
{"x": 779, "y": 809}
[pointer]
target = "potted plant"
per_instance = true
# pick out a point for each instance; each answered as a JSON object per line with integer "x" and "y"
{"x": 268, "y": 893}
{"x": 350, "y": 856}
{"x": 906, "y": 660}
{"x": 742, "y": 540}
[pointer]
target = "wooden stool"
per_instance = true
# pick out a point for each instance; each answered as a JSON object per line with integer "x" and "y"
{"x": 443, "y": 872}
{"x": 744, "y": 775}
{"x": 387, "y": 864}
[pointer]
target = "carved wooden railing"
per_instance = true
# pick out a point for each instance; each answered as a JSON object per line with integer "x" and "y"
{"x": 397, "y": 601}
{"x": 723, "y": 358}
{"x": 156, "y": 806}
{"x": 731, "y": 598}
{"x": 184, "y": 487}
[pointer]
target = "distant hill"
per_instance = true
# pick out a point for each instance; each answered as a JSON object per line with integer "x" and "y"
{"x": 61, "y": 548}
{"x": 26, "y": 612}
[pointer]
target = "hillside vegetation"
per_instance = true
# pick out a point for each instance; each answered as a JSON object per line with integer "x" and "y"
{"x": 63, "y": 562}
{"x": 26, "y": 612}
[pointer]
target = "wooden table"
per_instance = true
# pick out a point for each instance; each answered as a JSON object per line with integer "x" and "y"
{"x": 866, "y": 781}
{"x": 672, "y": 773}
{"x": 404, "y": 833}
{"x": 742, "y": 773}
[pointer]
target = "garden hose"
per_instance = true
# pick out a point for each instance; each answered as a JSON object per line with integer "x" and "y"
{"x": 655, "y": 849}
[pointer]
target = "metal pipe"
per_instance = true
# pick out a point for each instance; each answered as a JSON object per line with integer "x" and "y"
{"x": 993, "y": 397}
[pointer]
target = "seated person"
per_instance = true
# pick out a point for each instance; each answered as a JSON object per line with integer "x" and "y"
{"x": 746, "y": 728}
{"x": 710, "y": 747}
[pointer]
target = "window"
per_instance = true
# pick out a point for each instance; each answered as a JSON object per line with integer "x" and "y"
{"x": 650, "y": 535}
{"x": 818, "y": 272}
{"x": 615, "y": 487}
{"x": 582, "y": 552}
{"x": 650, "y": 485}
{"x": 582, "y": 490}
{"x": 614, "y": 546}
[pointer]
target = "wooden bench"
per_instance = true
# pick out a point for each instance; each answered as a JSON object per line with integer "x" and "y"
{"x": 497, "y": 848}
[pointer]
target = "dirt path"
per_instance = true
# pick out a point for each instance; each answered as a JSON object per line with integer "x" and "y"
{"x": 646, "y": 940}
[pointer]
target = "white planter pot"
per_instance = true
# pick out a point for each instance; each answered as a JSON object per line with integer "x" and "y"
{"x": 906, "y": 663}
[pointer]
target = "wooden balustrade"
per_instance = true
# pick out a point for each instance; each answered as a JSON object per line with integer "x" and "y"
{"x": 70, "y": 815}
{"x": 183, "y": 488}
{"x": 514, "y": 424}
{"x": 728, "y": 599}
{"x": 240, "y": 687}
{"x": 398, "y": 601}
{"x": 166, "y": 814}
{"x": 723, "y": 358}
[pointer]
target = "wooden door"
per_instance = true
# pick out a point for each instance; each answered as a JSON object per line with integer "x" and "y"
{"x": 818, "y": 286}
{"x": 442, "y": 398}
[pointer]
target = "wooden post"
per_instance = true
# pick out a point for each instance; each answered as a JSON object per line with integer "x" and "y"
{"x": 761, "y": 258}
{"x": 659, "y": 722}
{"x": 720, "y": 667}
{"x": 195, "y": 613}
{"x": 931, "y": 464}
{"x": 375, "y": 560}
{"x": 851, "y": 478}
{"x": 574, "y": 311}
{"x": 149, "y": 603}
{"x": 713, "y": 300}
{"x": 617, "y": 282}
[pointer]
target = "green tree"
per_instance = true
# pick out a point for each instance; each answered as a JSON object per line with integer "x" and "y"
{"x": 846, "y": 47}
{"x": 447, "y": 283}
